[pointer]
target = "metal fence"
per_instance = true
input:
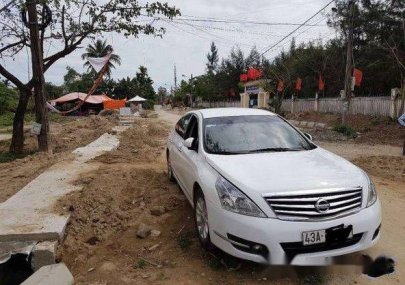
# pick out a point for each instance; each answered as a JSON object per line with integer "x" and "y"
{"x": 379, "y": 106}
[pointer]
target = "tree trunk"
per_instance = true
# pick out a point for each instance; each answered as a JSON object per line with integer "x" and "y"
{"x": 41, "y": 112}
{"x": 401, "y": 107}
{"x": 17, "y": 141}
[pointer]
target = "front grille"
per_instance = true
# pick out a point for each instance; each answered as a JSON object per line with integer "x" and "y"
{"x": 310, "y": 205}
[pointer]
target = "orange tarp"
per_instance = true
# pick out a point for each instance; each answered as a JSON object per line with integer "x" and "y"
{"x": 114, "y": 104}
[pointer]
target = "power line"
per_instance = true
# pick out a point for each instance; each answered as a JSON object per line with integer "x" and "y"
{"x": 300, "y": 26}
{"x": 229, "y": 30}
{"x": 233, "y": 21}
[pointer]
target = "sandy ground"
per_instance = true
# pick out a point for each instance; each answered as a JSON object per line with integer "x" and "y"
{"x": 5, "y": 137}
{"x": 101, "y": 246}
{"x": 65, "y": 137}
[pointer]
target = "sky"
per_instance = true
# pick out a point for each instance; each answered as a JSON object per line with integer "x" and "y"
{"x": 186, "y": 43}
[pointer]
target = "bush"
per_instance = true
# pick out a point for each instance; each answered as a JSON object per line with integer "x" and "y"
{"x": 346, "y": 130}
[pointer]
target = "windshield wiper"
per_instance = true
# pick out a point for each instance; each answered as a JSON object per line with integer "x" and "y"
{"x": 229, "y": 152}
{"x": 275, "y": 149}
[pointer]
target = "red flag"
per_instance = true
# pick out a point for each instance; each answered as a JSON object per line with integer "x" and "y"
{"x": 253, "y": 73}
{"x": 259, "y": 73}
{"x": 243, "y": 77}
{"x": 321, "y": 84}
{"x": 298, "y": 84}
{"x": 280, "y": 86}
{"x": 358, "y": 76}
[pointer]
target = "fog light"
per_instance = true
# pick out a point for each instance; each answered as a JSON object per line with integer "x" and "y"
{"x": 257, "y": 247}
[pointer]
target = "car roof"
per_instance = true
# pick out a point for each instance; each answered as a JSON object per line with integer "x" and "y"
{"x": 228, "y": 112}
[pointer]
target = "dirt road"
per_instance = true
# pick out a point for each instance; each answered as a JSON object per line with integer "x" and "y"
{"x": 102, "y": 247}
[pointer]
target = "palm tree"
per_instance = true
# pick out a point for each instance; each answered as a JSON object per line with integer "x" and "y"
{"x": 99, "y": 49}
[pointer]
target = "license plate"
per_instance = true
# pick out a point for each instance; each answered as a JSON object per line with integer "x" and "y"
{"x": 313, "y": 237}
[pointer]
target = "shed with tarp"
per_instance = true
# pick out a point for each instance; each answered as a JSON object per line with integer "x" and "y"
{"x": 92, "y": 104}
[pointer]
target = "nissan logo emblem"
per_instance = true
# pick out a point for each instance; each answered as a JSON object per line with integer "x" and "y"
{"x": 322, "y": 205}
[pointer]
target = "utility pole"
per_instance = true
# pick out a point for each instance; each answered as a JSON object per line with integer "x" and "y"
{"x": 175, "y": 78}
{"x": 349, "y": 65}
{"x": 41, "y": 112}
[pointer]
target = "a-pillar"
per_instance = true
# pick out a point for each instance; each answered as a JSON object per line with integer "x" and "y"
{"x": 244, "y": 100}
{"x": 316, "y": 104}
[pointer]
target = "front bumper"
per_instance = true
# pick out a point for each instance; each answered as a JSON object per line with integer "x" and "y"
{"x": 272, "y": 233}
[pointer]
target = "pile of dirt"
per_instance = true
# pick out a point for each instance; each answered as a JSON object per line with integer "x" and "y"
{"x": 389, "y": 167}
{"x": 372, "y": 129}
{"x": 64, "y": 138}
{"x": 144, "y": 142}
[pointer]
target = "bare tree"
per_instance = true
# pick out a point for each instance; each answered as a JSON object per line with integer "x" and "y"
{"x": 73, "y": 21}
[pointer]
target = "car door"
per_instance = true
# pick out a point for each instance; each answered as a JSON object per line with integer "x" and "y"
{"x": 177, "y": 143}
{"x": 188, "y": 158}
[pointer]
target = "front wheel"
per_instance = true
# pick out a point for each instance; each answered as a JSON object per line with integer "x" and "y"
{"x": 201, "y": 220}
{"x": 169, "y": 169}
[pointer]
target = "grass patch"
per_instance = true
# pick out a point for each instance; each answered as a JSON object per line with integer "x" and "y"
{"x": 6, "y": 119}
{"x": 184, "y": 240}
{"x": 141, "y": 264}
{"x": 10, "y": 156}
{"x": 346, "y": 130}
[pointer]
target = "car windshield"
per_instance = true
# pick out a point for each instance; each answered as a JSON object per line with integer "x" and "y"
{"x": 251, "y": 134}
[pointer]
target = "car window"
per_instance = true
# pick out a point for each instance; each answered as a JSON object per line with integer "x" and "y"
{"x": 246, "y": 134}
{"x": 182, "y": 125}
{"x": 192, "y": 131}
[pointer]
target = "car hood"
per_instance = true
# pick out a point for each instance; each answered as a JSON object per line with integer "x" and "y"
{"x": 273, "y": 172}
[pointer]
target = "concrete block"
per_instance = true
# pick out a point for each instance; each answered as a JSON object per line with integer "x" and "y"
{"x": 294, "y": 122}
{"x": 43, "y": 254}
{"x": 311, "y": 124}
{"x": 51, "y": 275}
{"x": 320, "y": 126}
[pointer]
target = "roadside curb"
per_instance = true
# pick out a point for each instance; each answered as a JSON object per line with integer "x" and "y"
{"x": 51, "y": 275}
{"x": 310, "y": 125}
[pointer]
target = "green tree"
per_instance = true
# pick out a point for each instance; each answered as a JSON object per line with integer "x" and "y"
{"x": 144, "y": 86}
{"x": 212, "y": 58}
{"x": 53, "y": 91}
{"x": 73, "y": 81}
{"x": 100, "y": 49}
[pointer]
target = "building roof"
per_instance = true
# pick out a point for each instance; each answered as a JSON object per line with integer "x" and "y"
{"x": 93, "y": 99}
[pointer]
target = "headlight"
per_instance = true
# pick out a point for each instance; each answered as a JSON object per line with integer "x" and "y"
{"x": 372, "y": 193}
{"x": 232, "y": 199}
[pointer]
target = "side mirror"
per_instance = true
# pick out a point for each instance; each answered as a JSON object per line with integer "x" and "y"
{"x": 308, "y": 136}
{"x": 188, "y": 143}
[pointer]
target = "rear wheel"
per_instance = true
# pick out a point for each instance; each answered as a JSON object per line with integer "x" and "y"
{"x": 201, "y": 220}
{"x": 169, "y": 169}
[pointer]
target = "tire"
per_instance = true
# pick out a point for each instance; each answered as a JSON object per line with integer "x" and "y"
{"x": 201, "y": 220}
{"x": 169, "y": 169}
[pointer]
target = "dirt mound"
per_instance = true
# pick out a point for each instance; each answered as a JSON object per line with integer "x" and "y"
{"x": 106, "y": 214}
{"x": 372, "y": 129}
{"x": 79, "y": 132}
{"x": 389, "y": 167}
{"x": 144, "y": 142}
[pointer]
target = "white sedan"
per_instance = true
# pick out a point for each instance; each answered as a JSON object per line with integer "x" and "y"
{"x": 263, "y": 191}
